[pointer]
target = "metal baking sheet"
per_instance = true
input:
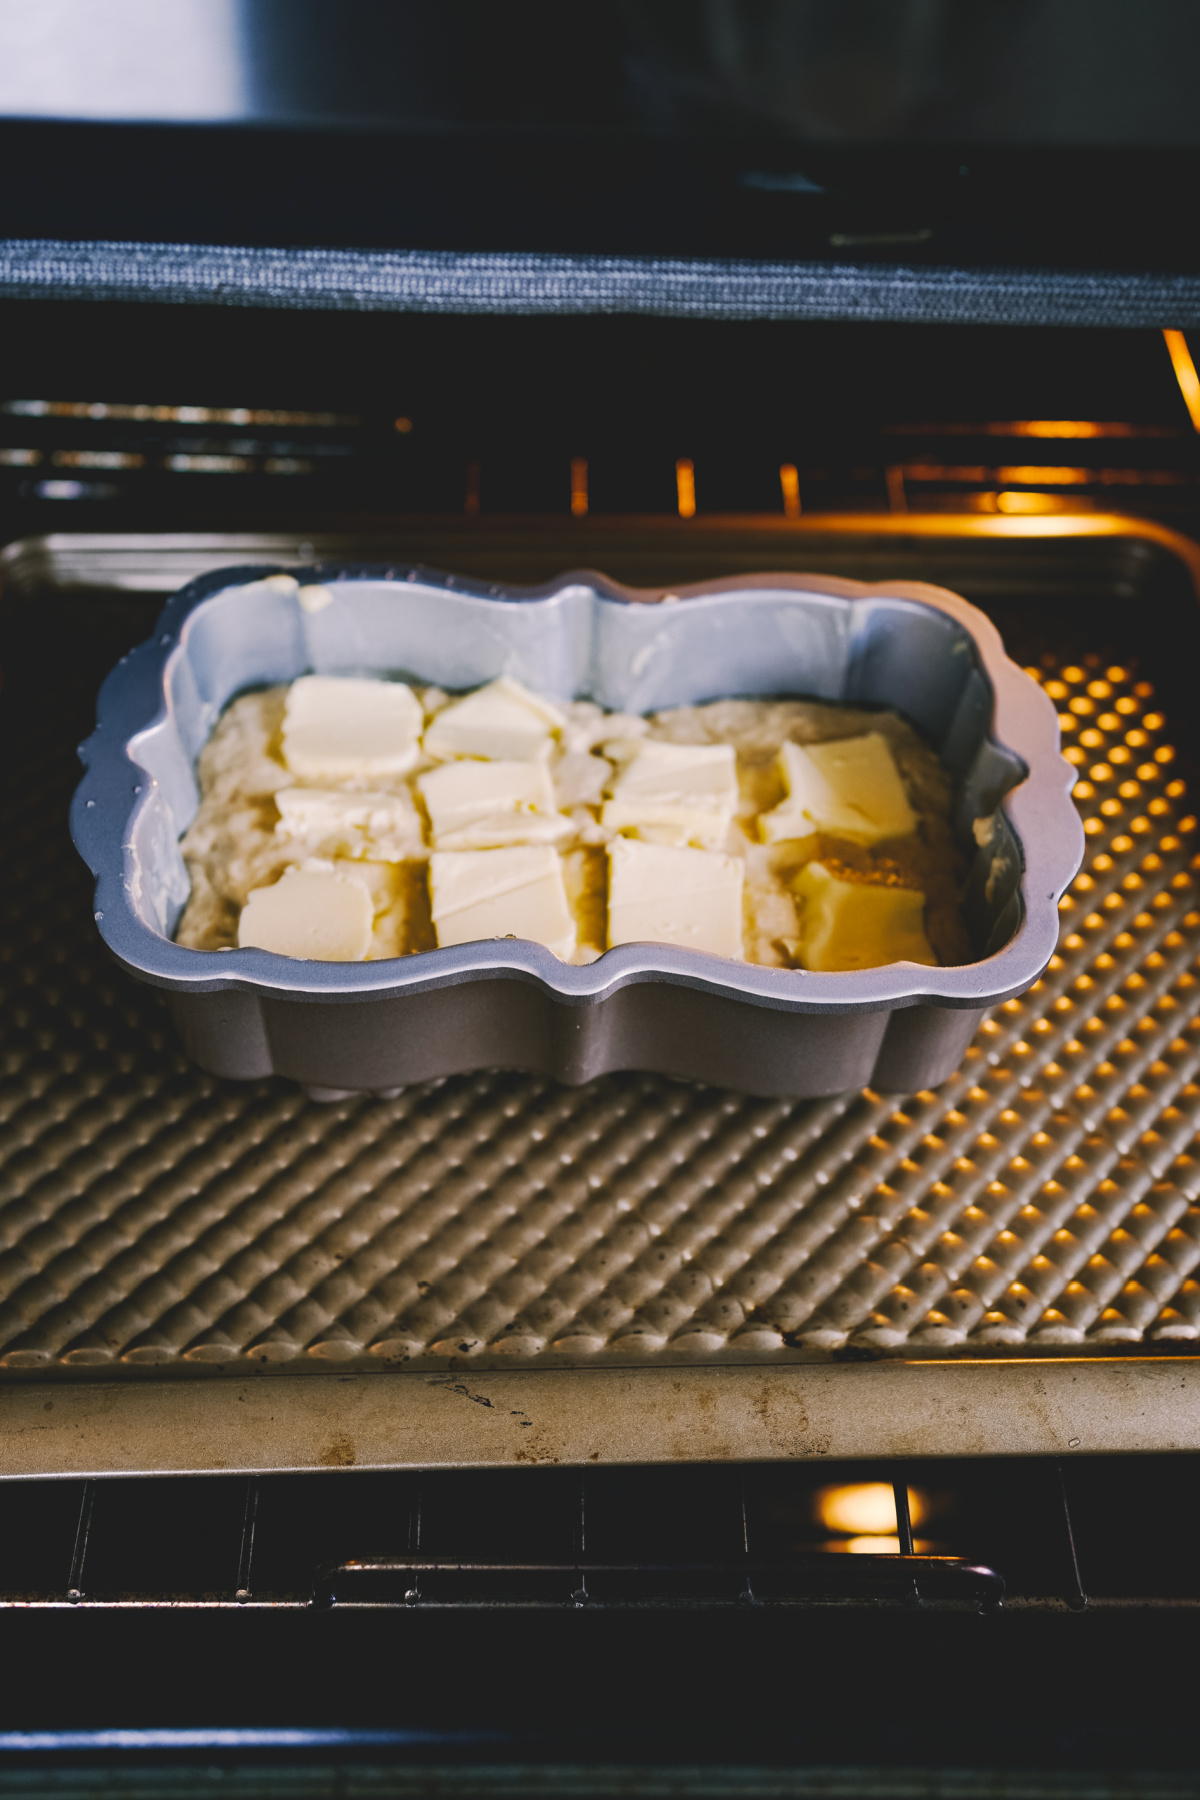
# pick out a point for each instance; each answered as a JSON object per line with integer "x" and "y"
{"x": 494, "y": 1268}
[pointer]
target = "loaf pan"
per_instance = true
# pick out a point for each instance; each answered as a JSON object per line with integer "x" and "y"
{"x": 378, "y": 1026}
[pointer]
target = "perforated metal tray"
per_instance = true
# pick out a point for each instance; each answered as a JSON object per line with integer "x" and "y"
{"x": 196, "y": 1274}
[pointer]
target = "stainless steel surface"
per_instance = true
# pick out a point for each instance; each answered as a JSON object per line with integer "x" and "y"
{"x": 493, "y": 1269}
{"x": 524, "y": 1418}
{"x": 670, "y": 1010}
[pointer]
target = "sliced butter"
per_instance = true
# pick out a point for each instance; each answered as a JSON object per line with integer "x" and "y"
{"x": 386, "y": 888}
{"x": 503, "y": 721}
{"x": 340, "y": 822}
{"x": 340, "y": 728}
{"x": 662, "y": 895}
{"x": 318, "y": 914}
{"x": 675, "y": 794}
{"x": 380, "y": 881}
{"x": 501, "y": 893}
{"x": 854, "y": 925}
{"x": 850, "y": 788}
{"x": 489, "y": 805}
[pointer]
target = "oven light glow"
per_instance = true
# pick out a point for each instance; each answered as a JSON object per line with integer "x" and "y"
{"x": 867, "y": 1509}
{"x": 1047, "y": 474}
{"x": 685, "y": 484}
{"x": 579, "y": 487}
{"x": 789, "y": 482}
{"x": 1033, "y": 428}
{"x": 1059, "y": 428}
{"x": 1016, "y": 502}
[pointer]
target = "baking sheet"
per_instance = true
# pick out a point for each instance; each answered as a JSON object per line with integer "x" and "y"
{"x": 159, "y": 1227}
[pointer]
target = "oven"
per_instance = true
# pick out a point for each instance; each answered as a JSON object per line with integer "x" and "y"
{"x": 640, "y": 1437}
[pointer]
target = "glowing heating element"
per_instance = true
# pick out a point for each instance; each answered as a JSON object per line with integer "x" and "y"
{"x": 579, "y": 487}
{"x": 789, "y": 482}
{"x": 685, "y": 485}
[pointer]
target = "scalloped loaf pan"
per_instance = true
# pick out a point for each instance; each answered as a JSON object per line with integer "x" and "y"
{"x": 381, "y": 1025}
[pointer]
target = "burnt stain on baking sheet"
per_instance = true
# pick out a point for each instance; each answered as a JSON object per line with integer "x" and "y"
{"x": 784, "y": 1418}
{"x": 460, "y": 1387}
{"x": 532, "y": 1451}
{"x": 512, "y": 1412}
{"x": 339, "y": 1453}
{"x": 696, "y": 1421}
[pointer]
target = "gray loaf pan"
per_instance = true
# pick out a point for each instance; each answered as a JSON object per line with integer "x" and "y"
{"x": 504, "y": 1003}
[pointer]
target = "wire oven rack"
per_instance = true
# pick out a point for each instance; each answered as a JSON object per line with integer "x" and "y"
{"x": 1026, "y": 1534}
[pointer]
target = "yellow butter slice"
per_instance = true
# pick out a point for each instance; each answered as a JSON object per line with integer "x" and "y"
{"x": 340, "y": 728}
{"x": 659, "y": 894}
{"x": 502, "y": 721}
{"x": 488, "y": 805}
{"x": 850, "y": 788}
{"x": 320, "y": 915}
{"x": 855, "y": 925}
{"x": 516, "y": 892}
{"x": 675, "y": 794}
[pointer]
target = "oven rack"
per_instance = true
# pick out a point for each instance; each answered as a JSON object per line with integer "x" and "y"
{"x": 1055, "y": 1539}
{"x": 579, "y": 419}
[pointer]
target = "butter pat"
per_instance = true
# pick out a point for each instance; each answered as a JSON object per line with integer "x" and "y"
{"x": 378, "y": 880}
{"x": 384, "y": 885}
{"x": 338, "y": 728}
{"x": 502, "y": 720}
{"x": 675, "y": 793}
{"x": 853, "y": 925}
{"x": 661, "y": 895}
{"x": 850, "y": 788}
{"x": 317, "y": 914}
{"x": 338, "y": 822}
{"x": 501, "y": 893}
{"x": 489, "y": 805}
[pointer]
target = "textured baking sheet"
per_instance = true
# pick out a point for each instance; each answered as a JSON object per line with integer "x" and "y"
{"x": 156, "y": 1222}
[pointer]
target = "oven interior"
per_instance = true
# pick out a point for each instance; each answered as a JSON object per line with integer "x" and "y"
{"x": 673, "y": 1616}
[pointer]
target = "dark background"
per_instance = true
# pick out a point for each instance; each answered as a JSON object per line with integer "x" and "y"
{"x": 1055, "y": 132}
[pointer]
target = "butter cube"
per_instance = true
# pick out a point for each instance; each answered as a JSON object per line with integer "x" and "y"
{"x": 386, "y": 887}
{"x": 503, "y": 721}
{"x": 854, "y": 925}
{"x": 662, "y": 895}
{"x": 380, "y": 881}
{"x": 850, "y": 788}
{"x": 501, "y": 893}
{"x": 338, "y": 822}
{"x": 339, "y": 728}
{"x": 675, "y": 793}
{"x": 487, "y": 805}
{"x": 317, "y": 914}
